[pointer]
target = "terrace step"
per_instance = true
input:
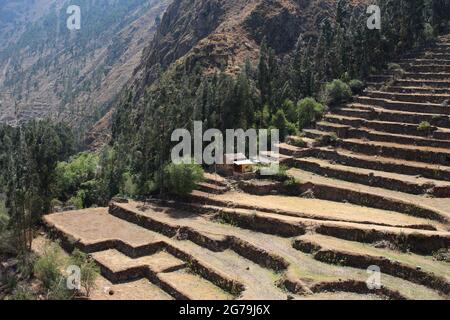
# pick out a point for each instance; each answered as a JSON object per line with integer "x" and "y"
{"x": 381, "y": 136}
{"x": 267, "y": 243}
{"x": 442, "y": 133}
{"x": 393, "y": 150}
{"x": 425, "y": 62}
{"x": 365, "y": 131}
{"x": 427, "y": 76}
{"x": 385, "y": 115}
{"x": 256, "y": 284}
{"x": 382, "y": 126}
{"x": 98, "y": 231}
{"x": 217, "y": 267}
{"x": 214, "y": 178}
{"x": 394, "y": 165}
{"x": 161, "y": 269}
{"x": 420, "y": 90}
{"x": 422, "y": 83}
{"x": 211, "y": 188}
{"x": 316, "y": 134}
{"x": 430, "y": 108}
{"x": 380, "y": 78}
{"x": 290, "y": 150}
{"x": 391, "y": 181}
{"x": 340, "y": 130}
{"x": 436, "y": 55}
{"x": 374, "y": 85}
{"x": 409, "y": 97}
{"x": 440, "y": 48}
{"x": 251, "y": 220}
{"x": 199, "y": 230}
{"x": 403, "y": 265}
{"x": 189, "y": 286}
{"x": 314, "y": 209}
{"x": 300, "y": 142}
{"x": 427, "y": 68}
{"x": 343, "y": 191}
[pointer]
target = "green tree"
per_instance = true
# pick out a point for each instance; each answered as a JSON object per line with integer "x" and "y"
{"x": 309, "y": 111}
{"x": 181, "y": 179}
{"x": 88, "y": 268}
{"x": 280, "y": 122}
{"x": 337, "y": 92}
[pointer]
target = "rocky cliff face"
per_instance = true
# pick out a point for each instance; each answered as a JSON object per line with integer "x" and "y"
{"x": 48, "y": 71}
{"x": 222, "y": 35}
{"x": 219, "y": 34}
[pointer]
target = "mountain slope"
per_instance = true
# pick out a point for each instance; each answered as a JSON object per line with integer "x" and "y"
{"x": 223, "y": 34}
{"x": 47, "y": 70}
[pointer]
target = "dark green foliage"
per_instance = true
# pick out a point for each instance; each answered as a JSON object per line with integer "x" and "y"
{"x": 357, "y": 86}
{"x": 280, "y": 122}
{"x": 181, "y": 179}
{"x": 77, "y": 171}
{"x": 309, "y": 111}
{"x": 51, "y": 269}
{"x": 28, "y": 158}
{"x": 88, "y": 268}
{"x": 337, "y": 92}
{"x": 47, "y": 268}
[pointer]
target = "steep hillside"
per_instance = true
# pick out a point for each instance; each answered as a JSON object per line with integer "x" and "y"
{"x": 223, "y": 34}
{"x": 47, "y": 70}
{"x": 219, "y": 35}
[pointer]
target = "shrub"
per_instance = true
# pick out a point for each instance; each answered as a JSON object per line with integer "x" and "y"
{"x": 55, "y": 203}
{"x": 77, "y": 201}
{"x": 181, "y": 179}
{"x": 290, "y": 110}
{"x": 280, "y": 122}
{"x": 92, "y": 193}
{"x": 309, "y": 111}
{"x": 47, "y": 268}
{"x": 337, "y": 92}
{"x": 345, "y": 77}
{"x": 25, "y": 266}
{"x": 59, "y": 290}
{"x": 396, "y": 70}
{"x": 424, "y": 126}
{"x": 291, "y": 128}
{"x": 89, "y": 270}
{"x": 21, "y": 293}
{"x": 71, "y": 175}
{"x": 357, "y": 86}
{"x": 428, "y": 33}
{"x": 129, "y": 187}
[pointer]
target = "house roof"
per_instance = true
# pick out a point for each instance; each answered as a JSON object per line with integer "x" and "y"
{"x": 243, "y": 162}
{"x": 230, "y": 158}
